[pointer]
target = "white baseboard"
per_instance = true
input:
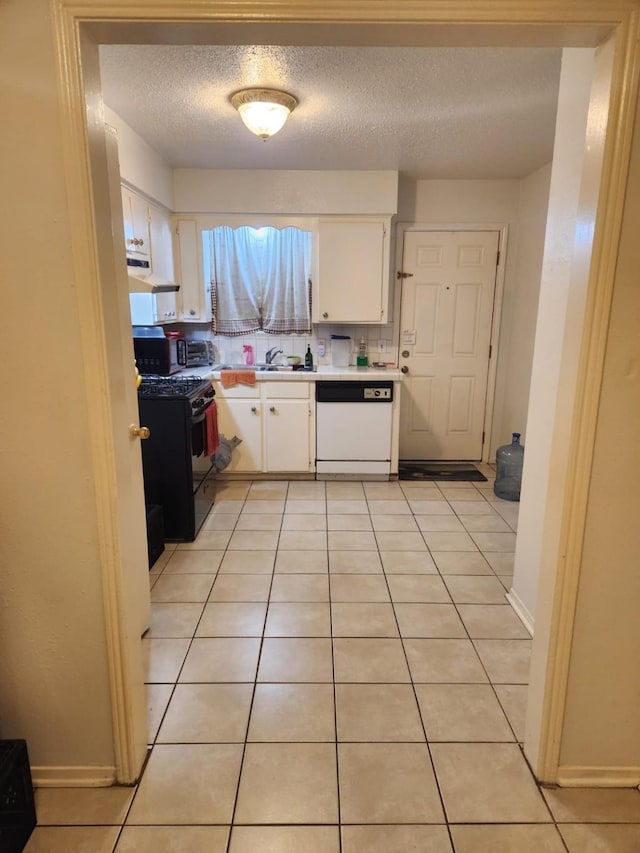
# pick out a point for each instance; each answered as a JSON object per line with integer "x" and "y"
{"x": 73, "y": 777}
{"x": 521, "y": 611}
{"x": 598, "y": 777}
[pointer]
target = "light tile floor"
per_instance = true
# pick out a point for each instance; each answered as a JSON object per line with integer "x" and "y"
{"x": 334, "y": 667}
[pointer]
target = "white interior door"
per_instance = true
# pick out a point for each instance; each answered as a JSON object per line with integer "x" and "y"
{"x": 445, "y": 333}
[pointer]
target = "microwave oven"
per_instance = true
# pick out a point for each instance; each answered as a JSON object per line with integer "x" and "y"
{"x": 160, "y": 356}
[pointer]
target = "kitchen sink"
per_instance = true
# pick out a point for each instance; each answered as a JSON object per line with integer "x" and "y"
{"x": 258, "y": 367}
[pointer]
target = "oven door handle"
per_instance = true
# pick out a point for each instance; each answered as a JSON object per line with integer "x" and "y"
{"x": 197, "y": 419}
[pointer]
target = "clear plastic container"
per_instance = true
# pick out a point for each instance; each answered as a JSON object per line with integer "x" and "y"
{"x": 340, "y": 350}
{"x": 509, "y": 459}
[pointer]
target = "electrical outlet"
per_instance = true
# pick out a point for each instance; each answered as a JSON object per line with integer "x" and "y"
{"x": 321, "y": 349}
{"x": 382, "y": 345}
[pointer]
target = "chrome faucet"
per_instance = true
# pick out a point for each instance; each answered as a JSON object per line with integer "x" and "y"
{"x": 271, "y": 354}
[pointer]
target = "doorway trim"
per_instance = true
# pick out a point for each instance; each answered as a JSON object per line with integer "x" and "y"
{"x": 463, "y": 22}
{"x": 403, "y": 228}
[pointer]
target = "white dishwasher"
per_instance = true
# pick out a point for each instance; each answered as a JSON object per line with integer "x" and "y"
{"x": 353, "y": 427}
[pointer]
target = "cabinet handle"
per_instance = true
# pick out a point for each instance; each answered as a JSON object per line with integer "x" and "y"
{"x": 272, "y": 409}
{"x": 139, "y": 432}
{"x": 325, "y": 315}
{"x": 192, "y": 312}
{"x": 130, "y": 241}
{"x": 253, "y": 409}
{"x": 404, "y": 369}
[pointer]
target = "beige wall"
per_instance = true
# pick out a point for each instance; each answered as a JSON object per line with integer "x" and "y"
{"x": 553, "y": 379}
{"x": 601, "y": 728}
{"x": 53, "y": 666}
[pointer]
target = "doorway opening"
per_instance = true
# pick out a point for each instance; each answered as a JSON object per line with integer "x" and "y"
{"x": 75, "y": 141}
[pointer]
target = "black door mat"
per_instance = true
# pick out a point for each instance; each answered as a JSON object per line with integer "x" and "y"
{"x": 410, "y": 469}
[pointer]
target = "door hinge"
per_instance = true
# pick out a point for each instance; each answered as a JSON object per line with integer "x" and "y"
{"x": 498, "y": 258}
{"x": 483, "y": 436}
{"x": 404, "y": 274}
{"x": 490, "y": 349}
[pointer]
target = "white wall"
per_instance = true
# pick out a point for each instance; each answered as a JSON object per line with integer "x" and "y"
{"x": 553, "y": 379}
{"x": 522, "y": 206}
{"x": 520, "y": 309}
{"x": 140, "y": 165}
{"x": 274, "y": 191}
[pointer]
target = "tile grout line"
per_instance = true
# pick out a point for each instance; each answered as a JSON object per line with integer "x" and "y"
{"x": 415, "y": 696}
{"x": 255, "y": 681}
{"x": 333, "y": 673}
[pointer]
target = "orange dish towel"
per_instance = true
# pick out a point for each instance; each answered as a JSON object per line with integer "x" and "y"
{"x": 211, "y": 437}
{"x": 237, "y": 377}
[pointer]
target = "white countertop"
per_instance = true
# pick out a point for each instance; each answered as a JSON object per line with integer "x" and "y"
{"x": 323, "y": 372}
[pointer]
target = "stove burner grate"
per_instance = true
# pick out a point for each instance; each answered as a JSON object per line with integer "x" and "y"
{"x": 160, "y": 387}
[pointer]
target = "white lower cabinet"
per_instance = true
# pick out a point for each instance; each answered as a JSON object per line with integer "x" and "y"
{"x": 242, "y": 418}
{"x": 275, "y": 422}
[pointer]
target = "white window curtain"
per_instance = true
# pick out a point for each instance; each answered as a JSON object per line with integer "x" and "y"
{"x": 260, "y": 279}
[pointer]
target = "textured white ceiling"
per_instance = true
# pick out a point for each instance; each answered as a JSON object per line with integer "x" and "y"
{"x": 466, "y": 113}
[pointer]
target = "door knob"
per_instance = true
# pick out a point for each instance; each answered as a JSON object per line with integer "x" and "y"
{"x": 139, "y": 432}
{"x": 253, "y": 409}
{"x": 404, "y": 369}
{"x": 325, "y": 315}
{"x": 272, "y": 409}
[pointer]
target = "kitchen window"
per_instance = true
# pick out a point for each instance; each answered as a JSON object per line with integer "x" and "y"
{"x": 260, "y": 279}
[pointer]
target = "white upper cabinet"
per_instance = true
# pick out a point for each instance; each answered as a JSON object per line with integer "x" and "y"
{"x": 195, "y": 289}
{"x": 352, "y": 278}
{"x": 151, "y": 309}
{"x": 135, "y": 211}
{"x": 161, "y": 243}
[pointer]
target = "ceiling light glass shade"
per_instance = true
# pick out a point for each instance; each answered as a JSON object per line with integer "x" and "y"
{"x": 264, "y": 111}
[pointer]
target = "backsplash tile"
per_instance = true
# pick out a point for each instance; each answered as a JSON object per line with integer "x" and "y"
{"x": 230, "y": 349}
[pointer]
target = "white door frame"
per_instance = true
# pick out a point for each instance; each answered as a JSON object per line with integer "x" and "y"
{"x": 470, "y": 22}
{"x": 503, "y": 230}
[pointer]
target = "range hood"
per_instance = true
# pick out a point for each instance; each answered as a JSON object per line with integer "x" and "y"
{"x": 142, "y": 280}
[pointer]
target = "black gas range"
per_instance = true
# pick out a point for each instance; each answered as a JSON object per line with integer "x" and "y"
{"x": 176, "y": 465}
{"x": 199, "y": 392}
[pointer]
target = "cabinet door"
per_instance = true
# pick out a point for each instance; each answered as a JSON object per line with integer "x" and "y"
{"x": 161, "y": 244}
{"x": 135, "y": 212}
{"x": 286, "y": 435}
{"x": 195, "y": 295}
{"x": 242, "y": 418}
{"x": 140, "y": 216}
{"x": 166, "y": 307}
{"x": 127, "y": 215}
{"x": 352, "y": 281}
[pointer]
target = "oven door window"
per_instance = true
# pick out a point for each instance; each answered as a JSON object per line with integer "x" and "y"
{"x": 200, "y": 462}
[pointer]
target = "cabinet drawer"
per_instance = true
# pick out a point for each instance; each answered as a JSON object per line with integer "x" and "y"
{"x": 237, "y": 391}
{"x": 285, "y": 390}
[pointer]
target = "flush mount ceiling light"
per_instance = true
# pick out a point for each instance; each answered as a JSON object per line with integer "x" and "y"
{"x": 264, "y": 111}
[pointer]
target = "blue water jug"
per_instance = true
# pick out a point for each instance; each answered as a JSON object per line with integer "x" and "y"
{"x": 509, "y": 459}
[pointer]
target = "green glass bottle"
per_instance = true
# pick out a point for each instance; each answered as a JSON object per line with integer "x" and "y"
{"x": 308, "y": 359}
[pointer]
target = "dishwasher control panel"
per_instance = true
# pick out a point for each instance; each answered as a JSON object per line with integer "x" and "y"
{"x": 339, "y": 391}
{"x": 376, "y": 393}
